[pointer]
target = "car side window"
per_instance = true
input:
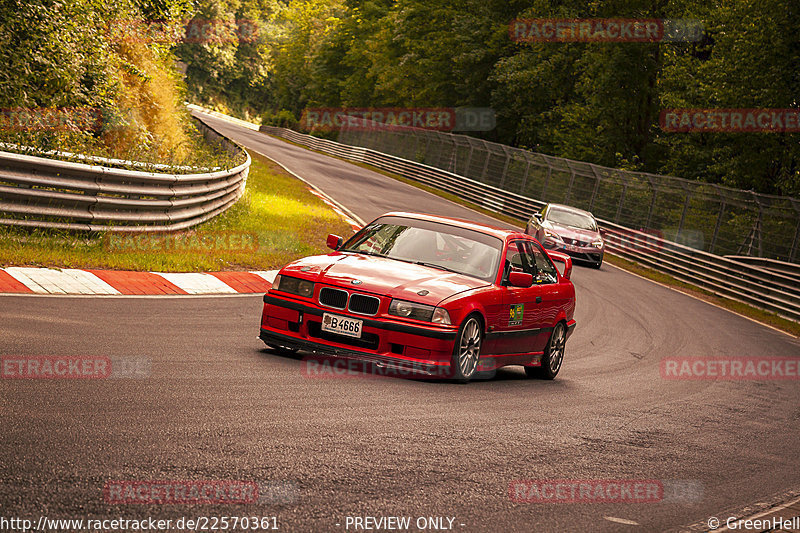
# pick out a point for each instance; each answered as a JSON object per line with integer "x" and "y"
{"x": 545, "y": 270}
{"x": 519, "y": 259}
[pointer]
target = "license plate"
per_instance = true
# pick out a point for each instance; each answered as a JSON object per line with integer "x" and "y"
{"x": 342, "y": 325}
{"x": 570, "y": 248}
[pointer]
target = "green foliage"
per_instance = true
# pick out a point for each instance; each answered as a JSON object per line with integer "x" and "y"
{"x": 229, "y": 71}
{"x": 748, "y": 60}
{"x": 85, "y": 56}
{"x": 598, "y": 102}
{"x": 283, "y": 119}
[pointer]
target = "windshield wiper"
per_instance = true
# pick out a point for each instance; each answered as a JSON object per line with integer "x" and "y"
{"x": 421, "y": 263}
{"x": 434, "y": 265}
{"x": 365, "y": 252}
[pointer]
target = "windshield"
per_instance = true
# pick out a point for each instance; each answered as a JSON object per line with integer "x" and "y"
{"x": 437, "y": 245}
{"x": 571, "y": 219}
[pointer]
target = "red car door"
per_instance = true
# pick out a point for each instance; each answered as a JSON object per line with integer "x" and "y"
{"x": 550, "y": 292}
{"x": 518, "y": 332}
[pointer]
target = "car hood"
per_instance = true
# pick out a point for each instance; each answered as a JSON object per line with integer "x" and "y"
{"x": 574, "y": 233}
{"x": 383, "y": 276}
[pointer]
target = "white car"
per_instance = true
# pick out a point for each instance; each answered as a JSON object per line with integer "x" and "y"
{"x": 569, "y": 230}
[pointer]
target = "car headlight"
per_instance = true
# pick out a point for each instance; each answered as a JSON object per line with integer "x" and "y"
{"x": 441, "y": 316}
{"x": 598, "y": 244}
{"x": 297, "y": 286}
{"x": 552, "y": 235}
{"x": 428, "y": 313}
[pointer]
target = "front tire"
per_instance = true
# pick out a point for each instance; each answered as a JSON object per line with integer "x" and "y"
{"x": 553, "y": 355}
{"x": 467, "y": 350}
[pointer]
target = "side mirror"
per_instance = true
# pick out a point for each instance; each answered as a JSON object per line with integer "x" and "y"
{"x": 562, "y": 258}
{"x": 520, "y": 279}
{"x": 334, "y": 241}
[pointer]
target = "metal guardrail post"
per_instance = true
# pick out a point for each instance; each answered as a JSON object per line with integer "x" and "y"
{"x": 757, "y": 229}
{"x": 547, "y": 180}
{"x": 654, "y": 188}
{"x": 596, "y": 186}
{"x": 453, "y": 159}
{"x": 485, "y": 163}
{"x": 793, "y": 252}
{"x": 469, "y": 161}
{"x": 505, "y": 167}
{"x": 713, "y": 244}
{"x": 686, "y": 203}
{"x": 796, "y": 240}
{"x": 525, "y": 176}
{"x": 571, "y": 182}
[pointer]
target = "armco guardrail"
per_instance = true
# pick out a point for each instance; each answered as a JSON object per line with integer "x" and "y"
{"x": 711, "y": 217}
{"x": 788, "y": 269}
{"x": 48, "y": 193}
{"x": 772, "y": 291}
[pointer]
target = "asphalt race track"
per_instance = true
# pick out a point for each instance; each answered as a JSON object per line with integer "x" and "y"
{"x": 215, "y": 404}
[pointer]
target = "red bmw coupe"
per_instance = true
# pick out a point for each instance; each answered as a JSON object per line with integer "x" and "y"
{"x": 436, "y": 296}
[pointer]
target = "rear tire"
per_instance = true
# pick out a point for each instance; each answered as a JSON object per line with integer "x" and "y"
{"x": 467, "y": 350}
{"x": 553, "y": 355}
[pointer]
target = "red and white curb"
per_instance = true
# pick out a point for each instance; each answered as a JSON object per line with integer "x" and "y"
{"x": 26, "y": 280}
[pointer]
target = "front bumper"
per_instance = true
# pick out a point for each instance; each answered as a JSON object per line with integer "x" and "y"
{"x": 581, "y": 253}
{"x": 296, "y": 325}
{"x": 286, "y": 342}
{"x": 570, "y": 327}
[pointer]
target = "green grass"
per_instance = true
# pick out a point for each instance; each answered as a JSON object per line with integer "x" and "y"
{"x": 276, "y": 220}
{"x": 749, "y": 311}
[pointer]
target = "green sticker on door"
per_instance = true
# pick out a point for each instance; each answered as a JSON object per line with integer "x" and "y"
{"x": 515, "y": 318}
